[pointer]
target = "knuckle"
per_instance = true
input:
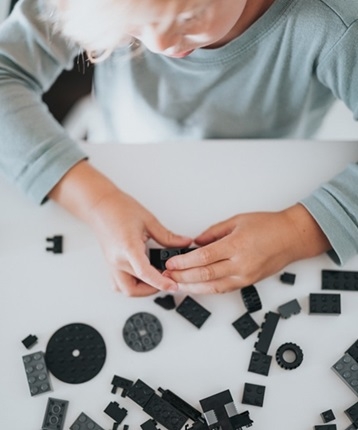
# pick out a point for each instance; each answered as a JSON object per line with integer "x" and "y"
{"x": 214, "y": 289}
{"x": 207, "y": 273}
{"x": 205, "y": 256}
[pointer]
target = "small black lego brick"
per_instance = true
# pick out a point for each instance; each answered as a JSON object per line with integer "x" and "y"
{"x": 268, "y": 328}
{"x": 353, "y": 350}
{"x": 253, "y": 394}
{"x": 55, "y": 414}
{"x": 193, "y": 311}
{"x": 260, "y": 363}
{"x": 159, "y": 256}
{"x": 341, "y": 280}
{"x": 115, "y": 412}
{"x": 164, "y": 413}
{"x": 115, "y": 426}
{"x": 126, "y": 427}
{"x": 328, "y": 416}
{"x": 167, "y": 302}
{"x": 352, "y": 414}
{"x": 57, "y": 244}
{"x": 288, "y": 278}
{"x": 181, "y": 405}
{"x": 29, "y": 341}
{"x": 119, "y": 382}
{"x": 251, "y": 298}
{"x": 140, "y": 393}
{"x": 325, "y": 304}
{"x": 142, "y": 332}
{"x": 290, "y": 308}
{"x": 326, "y": 427}
{"x": 245, "y": 325}
{"x": 149, "y": 425}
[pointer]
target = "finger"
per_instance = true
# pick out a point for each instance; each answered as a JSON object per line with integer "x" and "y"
{"x": 218, "y": 286}
{"x": 204, "y": 256}
{"x": 131, "y": 286}
{"x": 208, "y": 273}
{"x": 214, "y": 233}
{"x": 143, "y": 270}
{"x": 166, "y": 237}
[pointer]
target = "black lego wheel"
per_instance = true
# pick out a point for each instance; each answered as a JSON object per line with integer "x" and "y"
{"x": 289, "y": 365}
{"x": 75, "y": 353}
{"x": 142, "y": 332}
{"x": 251, "y": 298}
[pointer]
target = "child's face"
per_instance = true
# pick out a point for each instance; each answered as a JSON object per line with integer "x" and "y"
{"x": 203, "y": 24}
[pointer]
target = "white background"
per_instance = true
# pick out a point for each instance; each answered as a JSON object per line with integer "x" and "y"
{"x": 189, "y": 187}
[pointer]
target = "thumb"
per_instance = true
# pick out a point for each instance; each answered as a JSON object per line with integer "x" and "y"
{"x": 166, "y": 237}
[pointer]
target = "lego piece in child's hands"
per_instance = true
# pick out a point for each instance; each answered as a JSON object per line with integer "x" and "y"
{"x": 251, "y": 298}
{"x": 245, "y": 325}
{"x": 159, "y": 256}
{"x": 54, "y": 418}
{"x": 328, "y": 416}
{"x": 29, "y": 341}
{"x": 57, "y": 244}
{"x": 167, "y": 302}
{"x": 115, "y": 412}
{"x": 325, "y": 304}
{"x": 193, "y": 311}
{"x": 283, "y": 362}
{"x": 288, "y": 278}
{"x": 119, "y": 382}
{"x": 290, "y": 308}
{"x": 253, "y": 394}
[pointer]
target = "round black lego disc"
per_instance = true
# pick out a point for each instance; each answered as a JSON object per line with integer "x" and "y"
{"x": 75, "y": 353}
{"x": 142, "y": 332}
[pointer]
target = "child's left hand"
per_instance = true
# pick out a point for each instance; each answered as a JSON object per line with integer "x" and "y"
{"x": 247, "y": 248}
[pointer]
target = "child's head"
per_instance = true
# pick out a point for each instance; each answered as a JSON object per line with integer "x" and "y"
{"x": 170, "y": 27}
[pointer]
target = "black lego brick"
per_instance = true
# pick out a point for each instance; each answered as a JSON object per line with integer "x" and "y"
{"x": 268, "y": 328}
{"x": 341, "y": 280}
{"x": 347, "y": 369}
{"x": 288, "y": 309}
{"x": 328, "y": 416}
{"x": 57, "y": 244}
{"x": 353, "y": 350}
{"x": 326, "y": 427}
{"x": 119, "y": 382}
{"x": 352, "y": 414}
{"x": 115, "y": 412}
{"x": 140, "y": 393}
{"x": 164, "y": 413}
{"x": 325, "y": 304}
{"x": 260, "y": 363}
{"x": 55, "y": 414}
{"x": 159, "y": 256}
{"x": 167, "y": 302}
{"x": 253, "y": 394}
{"x": 245, "y": 325}
{"x": 149, "y": 425}
{"x": 180, "y": 404}
{"x": 193, "y": 311}
{"x": 288, "y": 278}
{"x": 29, "y": 341}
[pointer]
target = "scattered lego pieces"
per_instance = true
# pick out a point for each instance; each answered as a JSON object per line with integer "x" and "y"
{"x": 347, "y": 369}
{"x": 325, "y": 304}
{"x": 159, "y": 256}
{"x": 142, "y": 332}
{"x": 37, "y": 373}
{"x": 245, "y": 325}
{"x": 29, "y": 341}
{"x": 260, "y": 363}
{"x": 251, "y": 298}
{"x": 290, "y": 308}
{"x": 288, "y": 278}
{"x": 115, "y": 412}
{"x": 342, "y": 280}
{"x": 57, "y": 244}
{"x": 268, "y": 328}
{"x": 280, "y": 356}
{"x": 253, "y": 394}
{"x": 75, "y": 353}
{"x": 83, "y": 422}
{"x": 167, "y": 302}
{"x": 220, "y": 413}
{"x": 193, "y": 311}
{"x": 328, "y": 416}
{"x": 119, "y": 382}
{"x": 54, "y": 418}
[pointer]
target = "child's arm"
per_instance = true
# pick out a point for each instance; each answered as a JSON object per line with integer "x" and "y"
{"x": 247, "y": 248}
{"x": 122, "y": 227}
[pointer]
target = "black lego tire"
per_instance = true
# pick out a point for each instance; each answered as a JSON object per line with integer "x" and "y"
{"x": 289, "y": 346}
{"x": 251, "y": 298}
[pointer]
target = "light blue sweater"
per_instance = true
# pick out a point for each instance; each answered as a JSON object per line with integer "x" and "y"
{"x": 277, "y": 80}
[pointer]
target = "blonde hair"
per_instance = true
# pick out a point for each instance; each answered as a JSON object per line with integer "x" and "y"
{"x": 100, "y": 26}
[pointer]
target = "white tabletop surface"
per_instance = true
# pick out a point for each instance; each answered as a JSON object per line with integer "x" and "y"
{"x": 188, "y": 187}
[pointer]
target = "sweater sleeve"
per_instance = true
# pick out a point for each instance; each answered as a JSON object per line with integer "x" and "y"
{"x": 35, "y": 151}
{"x": 335, "y": 204}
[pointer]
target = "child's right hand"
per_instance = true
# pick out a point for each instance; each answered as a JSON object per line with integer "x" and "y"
{"x": 122, "y": 227}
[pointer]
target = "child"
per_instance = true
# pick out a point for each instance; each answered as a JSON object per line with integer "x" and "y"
{"x": 204, "y": 69}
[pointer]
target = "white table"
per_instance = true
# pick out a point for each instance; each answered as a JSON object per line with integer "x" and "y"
{"x": 189, "y": 187}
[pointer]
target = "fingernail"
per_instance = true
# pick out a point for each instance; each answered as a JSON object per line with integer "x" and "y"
{"x": 173, "y": 287}
{"x": 170, "y": 265}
